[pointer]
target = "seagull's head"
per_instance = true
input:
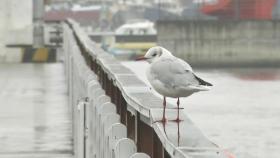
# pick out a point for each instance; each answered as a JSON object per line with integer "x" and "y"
{"x": 155, "y": 53}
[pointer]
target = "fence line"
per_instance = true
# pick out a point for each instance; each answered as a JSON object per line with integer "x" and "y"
{"x": 109, "y": 103}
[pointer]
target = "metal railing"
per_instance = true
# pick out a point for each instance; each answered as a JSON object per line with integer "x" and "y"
{"x": 114, "y": 112}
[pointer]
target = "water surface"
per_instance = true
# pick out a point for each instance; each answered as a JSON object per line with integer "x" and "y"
{"x": 34, "y": 115}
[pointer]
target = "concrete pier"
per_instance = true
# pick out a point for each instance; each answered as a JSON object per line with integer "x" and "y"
{"x": 34, "y": 118}
{"x": 222, "y": 43}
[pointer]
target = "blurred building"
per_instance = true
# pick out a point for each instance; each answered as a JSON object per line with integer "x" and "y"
{"x": 56, "y": 1}
{"x": 16, "y": 24}
{"x": 276, "y": 10}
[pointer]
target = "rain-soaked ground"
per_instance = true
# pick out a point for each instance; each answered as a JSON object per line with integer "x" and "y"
{"x": 34, "y": 119}
{"x": 241, "y": 112}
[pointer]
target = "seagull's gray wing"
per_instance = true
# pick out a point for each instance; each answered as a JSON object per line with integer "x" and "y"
{"x": 188, "y": 68}
{"x": 184, "y": 64}
{"x": 174, "y": 73}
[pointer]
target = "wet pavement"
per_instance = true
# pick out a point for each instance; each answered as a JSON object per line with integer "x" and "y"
{"x": 34, "y": 117}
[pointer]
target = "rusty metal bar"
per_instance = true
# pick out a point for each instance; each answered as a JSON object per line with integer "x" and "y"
{"x": 123, "y": 108}
{"x": 145, "y": 138}
{"x": 93, "y": 66}
{"x": 114, "y": 98}
{"x": 117, "y": 100}
{"x": 166, "y": 155}
{"x": 110, "y": 88}
{"x": 107, "y": 85}
{"x": 158, "y": 149}
{"x": 131, "y": 125}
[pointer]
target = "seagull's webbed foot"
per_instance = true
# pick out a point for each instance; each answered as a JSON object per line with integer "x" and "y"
{"x": 163, "y": 120}
{"x": 177, "y": 120}
{"x": 180, "y": 108}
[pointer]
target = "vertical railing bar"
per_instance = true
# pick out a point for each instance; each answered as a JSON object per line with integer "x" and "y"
{"x": 118, "y": 93}
{"x": 123, "y": 108}
{"x": 110, "y": 88}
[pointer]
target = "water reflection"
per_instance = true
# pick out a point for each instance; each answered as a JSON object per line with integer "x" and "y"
{"x": 178, "y": 131}
{"x": 191, "y": 143}
{"x": 40, "y": 120}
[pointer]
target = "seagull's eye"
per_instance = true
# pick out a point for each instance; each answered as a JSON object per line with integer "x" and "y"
{"x": 154, "y": 55}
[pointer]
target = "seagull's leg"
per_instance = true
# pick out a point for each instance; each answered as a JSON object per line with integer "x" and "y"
{"x": 178, "y": 112}
{"x": 164, "y": 107}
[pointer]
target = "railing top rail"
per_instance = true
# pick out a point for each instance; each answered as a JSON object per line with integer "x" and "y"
{"x": 182, "y": 139}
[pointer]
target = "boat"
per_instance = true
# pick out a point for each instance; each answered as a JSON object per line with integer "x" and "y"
{"x": 133, "y": 39}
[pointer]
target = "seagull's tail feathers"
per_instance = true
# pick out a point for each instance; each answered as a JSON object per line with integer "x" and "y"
{"x": 202, "y": 82}
{"x": 199, "y": 88}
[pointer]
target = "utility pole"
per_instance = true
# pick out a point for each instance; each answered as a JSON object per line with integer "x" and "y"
{"x": 237, "y": 9}
{"x": 159, "y": 9}
{"x": 38, "y": 23}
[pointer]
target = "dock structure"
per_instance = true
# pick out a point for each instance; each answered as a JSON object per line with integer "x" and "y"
{"x": 114, "y": 112}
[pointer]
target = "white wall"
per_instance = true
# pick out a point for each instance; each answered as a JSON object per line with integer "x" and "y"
{"x": 222, "y": 43}
{"x": 15, "y": 23}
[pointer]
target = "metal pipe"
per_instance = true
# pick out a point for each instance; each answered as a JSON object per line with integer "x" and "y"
{"x": 38, "y": 23}
{"x": 237, "y": 9}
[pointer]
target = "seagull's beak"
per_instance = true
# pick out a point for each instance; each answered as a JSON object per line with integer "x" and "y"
{"x": 141, "y": 58}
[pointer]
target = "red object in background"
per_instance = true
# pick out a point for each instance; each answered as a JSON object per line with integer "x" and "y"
{"x": 248, "y": 9}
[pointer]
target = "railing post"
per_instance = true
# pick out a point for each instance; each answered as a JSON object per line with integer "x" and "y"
{"x": 114, "y": 98}
{"x": 107, "y": 85}
{"x": 158, "y": 149}
{"x": 166, "y": 155}
{"x": 131, "y": 126}
{"x": 94, "y": 66}
{"x": 148, "y": 141}
{"x": 145, "y": 140}
{"x": 110, "y": 88}
{"x": 123, "y": 108}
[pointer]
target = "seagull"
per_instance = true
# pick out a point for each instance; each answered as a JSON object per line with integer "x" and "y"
{"x": 172, "y": 77}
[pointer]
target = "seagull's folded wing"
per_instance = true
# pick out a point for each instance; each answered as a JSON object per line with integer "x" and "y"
{"x": 173, "y": 72}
